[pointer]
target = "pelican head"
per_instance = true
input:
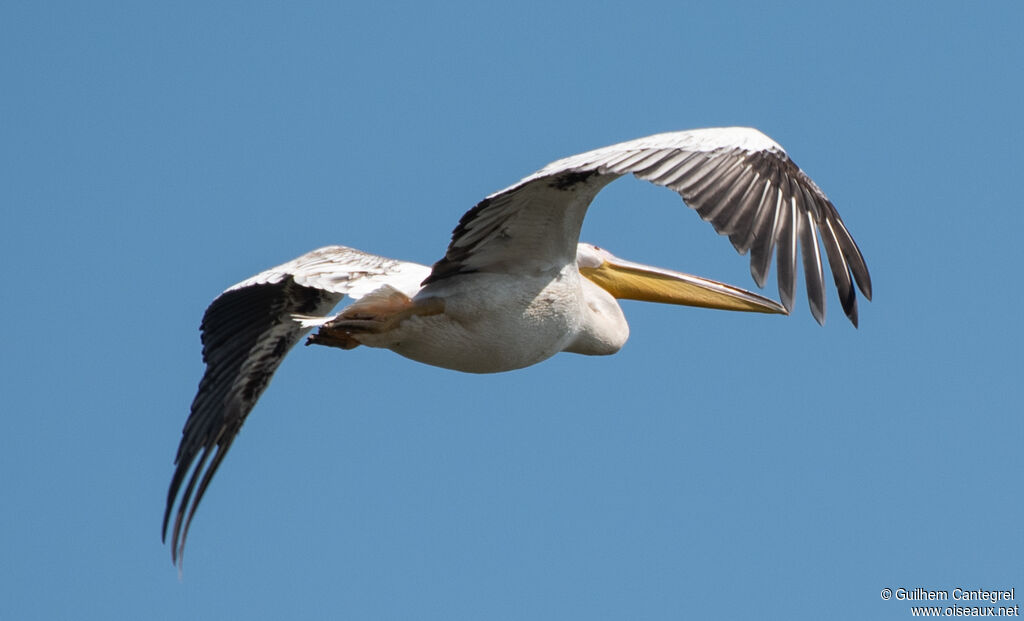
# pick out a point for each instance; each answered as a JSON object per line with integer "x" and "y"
{"x": 604, "y": 329}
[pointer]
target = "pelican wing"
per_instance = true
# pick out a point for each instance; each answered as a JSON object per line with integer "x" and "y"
{"x": 736, "y": 178}
{"x": 246, "y": 333}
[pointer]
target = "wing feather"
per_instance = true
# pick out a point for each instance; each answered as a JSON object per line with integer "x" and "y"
{"x": 724, "y": 184}
{"x": 626, "y": 162}
{"x": 813, "y": 276}
{"x": 744, "y": 191}
{"x": 246, "y": 333}
{"x": 765, "y": 238}
{"x": 786, "y": 251}
{"x": 664, "y": 172}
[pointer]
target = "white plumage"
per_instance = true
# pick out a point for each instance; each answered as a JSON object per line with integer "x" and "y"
{"x": 515, "y": 286}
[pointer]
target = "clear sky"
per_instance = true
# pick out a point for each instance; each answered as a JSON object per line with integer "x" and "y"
{"x": 722, "y": 466}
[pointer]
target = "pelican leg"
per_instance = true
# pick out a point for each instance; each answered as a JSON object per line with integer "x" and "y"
{"x": 376, "y": 313}
{"x": 377, "y": 316}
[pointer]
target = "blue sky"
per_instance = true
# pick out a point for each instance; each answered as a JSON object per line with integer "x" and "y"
{"x": 722, "y": 466}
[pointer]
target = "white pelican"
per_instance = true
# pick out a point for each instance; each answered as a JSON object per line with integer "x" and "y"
{"x": 515, "y": 286}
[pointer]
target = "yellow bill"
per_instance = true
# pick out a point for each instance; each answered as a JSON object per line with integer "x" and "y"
{"x": 635, "y": 281}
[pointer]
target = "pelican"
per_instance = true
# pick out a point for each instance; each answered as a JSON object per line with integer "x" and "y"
{"x": 515, "y": 285}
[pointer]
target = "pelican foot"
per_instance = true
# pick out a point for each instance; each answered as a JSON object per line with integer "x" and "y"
{"x": 333, "y": 338}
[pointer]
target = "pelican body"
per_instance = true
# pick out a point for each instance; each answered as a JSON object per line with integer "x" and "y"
{"x": 515, "y": 285}
{"x": 492, "y": 322}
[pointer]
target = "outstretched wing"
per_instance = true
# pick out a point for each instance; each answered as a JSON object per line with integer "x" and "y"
{"x": 736, "y": 178}
{"x": 246, "y": 333}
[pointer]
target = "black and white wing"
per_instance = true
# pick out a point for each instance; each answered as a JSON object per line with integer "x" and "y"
{"x": 246, "y": 333}
{"x": 736, "y": 178}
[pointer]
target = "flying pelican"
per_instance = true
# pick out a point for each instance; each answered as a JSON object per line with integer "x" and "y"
{"x": 515, "y": 286}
